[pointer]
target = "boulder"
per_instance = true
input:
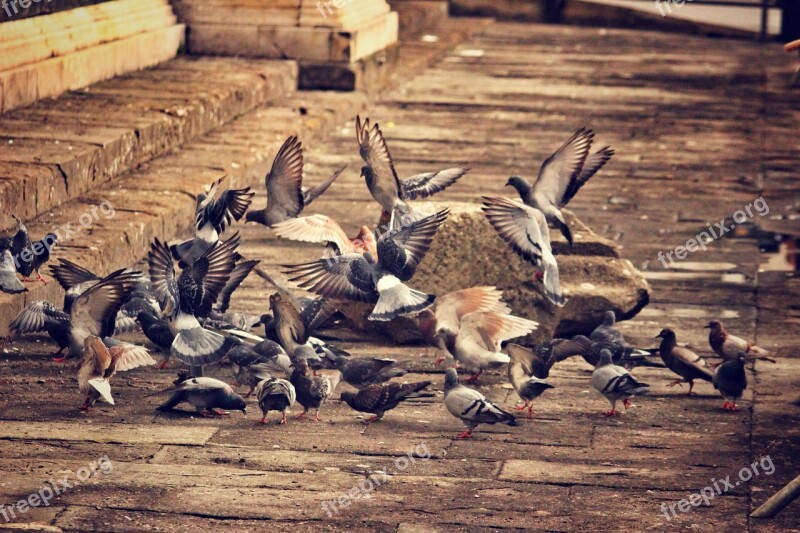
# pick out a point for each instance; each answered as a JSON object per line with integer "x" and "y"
{"x": 467, "y": 252}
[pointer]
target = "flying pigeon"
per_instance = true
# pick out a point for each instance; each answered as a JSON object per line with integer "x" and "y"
{"x": 275, "y": 395}
{"x": 212, "y": 217}
{"x": 561, "y": 176}
{"x": 476, "y": 345}
{"x": 236, "y": 277}
{"x": 74, "y": 279}
{"x": 312, "y": 391}
{"x": 363, "y": 373}
{"x": 9, "y": 283}
{"x": 386, "y": 187}
{"x": 729, "y": 346}
{"x": 615, "y": 383}
{"x": 684, "y": 362}
{"x": 157, "y": 330}
{"x": 324, "y": 230}
{"x": 471, "y": 406}
{"x": 101, "y": 363}
{"x": 207, "y": 395}
{"x": 525, "y": 229}
{"x": 30, "y": 256}
{"x": 191, "y": 295}
{"x": 526, "y": 372}
{"x": 42, "y": 316}
{"x": 730, "y": 380}
{"x": 377, "y": 399}
{"x": 367, "y": 279}
{"x": 286, "y": 197}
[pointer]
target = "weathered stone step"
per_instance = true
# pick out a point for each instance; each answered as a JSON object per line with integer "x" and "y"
{"x": 56, "y": 150}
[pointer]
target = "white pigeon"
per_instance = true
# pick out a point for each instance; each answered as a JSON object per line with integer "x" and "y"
{"x": 471, "y": 407}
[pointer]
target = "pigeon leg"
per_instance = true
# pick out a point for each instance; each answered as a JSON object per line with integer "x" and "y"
{"x": 726, "y": 405}
{"x": 163, "y": 364}
{"x": 302, "y": 416}
{"x": 465, "y": 435}
{"x": 41, "y": 278}
{"x": 263, "y": 420}
{"x": 58, "y": 352}
{"x": 86, "y": 405}
{"x": 250, "y": 392}
{"x": 372, "y": 419}
{"x": 530, "y": 411}
{"x": 438, "y": 362}
{"x": 316, "y": 416}
{"x": 62, "y": 359}
{"x": 283, "y": 418}
{"x": 474, "y": 378}
{"x": 612, "y": 412}
{"x": 521, "y": 407}
{"x": 676, "y": 382}
{"x": 26, "y": 279}
{"x": 691, "y": 386}
{"x": 627, "y": 403}
{"x": 218, "y": 412}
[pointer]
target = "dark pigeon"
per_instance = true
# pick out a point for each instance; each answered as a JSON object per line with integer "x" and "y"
{"x": 377, "y": 399}
{"x": 207, "y": 395}
{"x": 362, "y": 373}
{"x": 684, "y": 362}
{"x": 157, "y": 331}
{"x": 527, "y": 372}
{"x": 730, "y": 379}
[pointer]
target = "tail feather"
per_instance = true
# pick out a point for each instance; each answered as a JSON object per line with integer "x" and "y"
{"x": 198, "y": 347}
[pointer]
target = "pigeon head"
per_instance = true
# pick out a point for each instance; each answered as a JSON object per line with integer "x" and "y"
{"x": 301, "y": 366}
{"x": 714, "y": 325}
{"x": 666, "y": 334}
{"x": 233, "y": 402}
{"x": 519, "y": 183}
{"x": 605, "y": 358}
{"x": 609, "y": 318}
{"x": 450, "y": 378}
{"x": 348, "y": 397}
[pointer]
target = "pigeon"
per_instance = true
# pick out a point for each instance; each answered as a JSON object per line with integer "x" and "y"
{"x": 74, "y": 279}
{"x": 9, "y": 283}
{"x": 447, "y": 312}
{"x": 684, "y": 362}
{"x": 286, "y": 197}
{"x": 325, "y": 230}
{"x": 615, "y": 382}
{"x": 367, "y": 279}
{"x": 99, "y": 365}
{"x": 192, "y": 295}
{"x": 377, "y": 399}
{"x": 42, "y": 316}
{"x": 525, "y": 229}
{"x": 561, "y": 176}
{"x": 476, "y": 345}
{"x": 728, "y": 346}
{"x": 526, "y": 372}
{"x": 621, "y": 354}
{"x": 312, "y": 391}
{"x": 606, "y": 332}
{"x": 730, "y": 380}
{"x": 207, "y": 395}
{"x": 386, "y": 187}
{"x": 471, "y": 406}
{"x": 29, "y": 256}
{"x": 212, "y": 217}
{"x": 275, "y": 395}
{"x": 236, "y": 277}
{"x": 253, "y": 364}
{"x": 363, "y": 373}
{"x": 158, "y": 331}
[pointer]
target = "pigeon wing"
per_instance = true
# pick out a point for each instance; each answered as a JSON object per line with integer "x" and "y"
{"x": 401, "y": 250}
{"x": 317, "y": 229}
{"x": 373, "y": 150}
{"x": 345, "y": 276}
{"x": 430, "y": 183}
{"x": 560, "y": 171}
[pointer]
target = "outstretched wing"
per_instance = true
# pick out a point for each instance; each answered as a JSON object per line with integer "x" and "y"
{"x": 430, "y": 183}
{"x": 315, "y": 228}
{"x": 94, "y": 311}
{"x": 374, "y": 152}
{"x": 344, "y": 276}
{"x": 593, "y": 164}
{"x": 69, "y": 274}
{"x": 401, "y": 250}
{"x": 560, "y": 171}
{"x": 285, "y": 180}
{"x": 161, "y": 269}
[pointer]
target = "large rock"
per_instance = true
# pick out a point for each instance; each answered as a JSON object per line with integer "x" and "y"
{"x": 467, "y": 252}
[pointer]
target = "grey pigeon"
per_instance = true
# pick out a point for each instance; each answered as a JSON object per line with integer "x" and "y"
{"x": 561, "y": 176}
{"x": 621, "y": 354}
{"x": 212, "y": 216}
{"x": 526, "y": 372}
{"x": 191, "y": 295}
{"x": 42, "y": 316}
{"x": 471, "y": 407}
{"x": 207, "y": 395}
{"x": 615, "y": 382}
{"x": 286, "y": 197}
{"x": 383, "y": 182}
{"x": 730, "y": 379}
{"x": 730, "y": 346}
{"x": 253, "y": 364}
{"x": 364, "y": 278}
{"x": 9, "y": 283}
{"x": 312, "y": 391}
{"x": 684, "y": 362}
{"x": 363, "y": 373}
{"x": 74, "y": 279}
{"x": 525, "y": 230}
{"x": 377, "y": 399}
{"x": 275, "y": 395}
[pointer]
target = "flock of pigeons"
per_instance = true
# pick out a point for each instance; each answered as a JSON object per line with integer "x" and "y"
{"x": 184, "y": 310}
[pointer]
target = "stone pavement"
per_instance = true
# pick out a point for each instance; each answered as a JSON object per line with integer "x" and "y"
{"x": 701, "y": 128}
